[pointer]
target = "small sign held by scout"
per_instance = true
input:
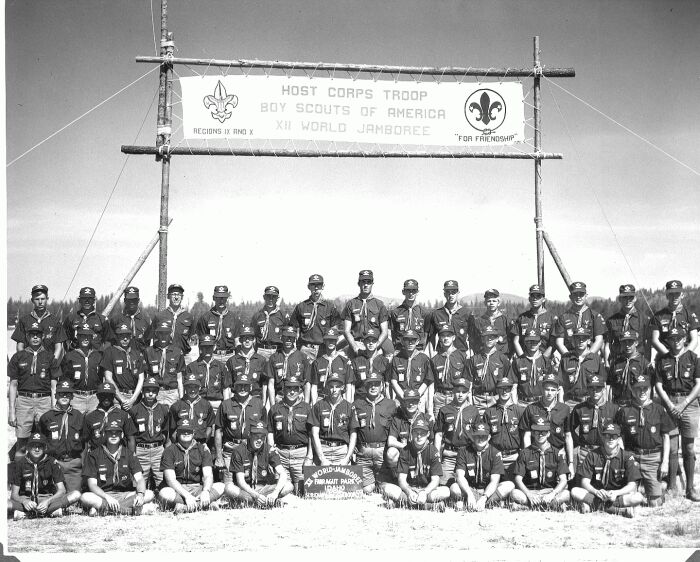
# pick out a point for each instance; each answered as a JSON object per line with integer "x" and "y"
{"x": 333, "y": 482}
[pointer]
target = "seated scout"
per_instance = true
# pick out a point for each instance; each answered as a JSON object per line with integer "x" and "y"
{"x": 195, "y": 408}
{"x": 400, "y": 426}
{"x": 609, "y": 477}
{"x": 479, "y": 471}
{"x": 188, "y": 475}
{"x": 503, "y": 419}
{"x": 333, "y": 425}
{"x": 37, "y": 484}
{"x": 111, "y": 471}
{"x": 260, "y": 478}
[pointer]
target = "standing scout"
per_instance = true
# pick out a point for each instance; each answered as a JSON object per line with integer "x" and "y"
{"x": 410, "y": 368}
{"x": 195, "y": 408}
{"x": 213, "y": 376}
{"x": 124, "y": 367}
{"x": 578, "y": 315}
{"x": 284, "y": 363}
{"x": 331, "y": 362}
{"x": 538, "y": 319}
{"x": 451, "y": 314}
{"x": 578, "y": 366}
{"x": 180, "y": 321}
{"x": 268, "y": 323}
{"x": 51, "y": 328}
{"x": 450, "y": 363}
{"x": 313, "y": 318}
{"x": 503, "y": 419}
{"x": 625, "y": 367}
{"x": 493, "y": 317}
{"x": 106, "y": 413}
{"x": 166, "y": 362}
{"x": 81, "y": 366}
{"x": 408, "y": 316}
{"x": 626, "y": 319}
{"x": 247, "y": 361}
{"x": 485, "y": 368}
{"x": 220, "y": 323}
{"x": 370, "y": 360}
{"x": 673, "y": 315}
{"x": 333, "y": 426}
{"x": 362, "y": 313}
{"x": 529, "y": 368}
{"x": 86, "y": 314}
{"x": 136, "y": 320}
{"x": 400, "y": 426}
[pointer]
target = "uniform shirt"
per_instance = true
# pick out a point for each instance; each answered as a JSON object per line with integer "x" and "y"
{"x": 224, "y": 327}
{"x": 542, "y": 322}
{"x": 559, "y": 418}
{"x": 456, "y": 364}
{"x": 584, "y": 429}
{"x": 83, "y": 371}
{"x": 373, "y": 419}
{"x": 33, "y": 371}
{"x": 677, "y": 374}
{"x": 456, "y": 429}
{"x": 313, "y": 320}
{"x": 334, "y": 423}
{"x": 320, "y": 369}
{"x": 363, "y": 365}
{"x": 98, "y": 465}
{"x": 418, "y": 374}
{"x": 151, "y": 423}
{"x": 125, "y": 364}
{"x": 501, "y": 325}
{"x": 269, "y": 330}
{"x": 400, "y": 426}
{"x": 417, "y": 473}
{"x": 64, "y": 439}
{"x": 95, "y": 422}
{"x": 97, "y": 323}
{"x": 213, "y": 377}
{"x": 620, "y": 322}
{"x": 621, "y": 469}
{"x": 457, "y": 318}
{"x": 529, "y": 372}
{"x": 165, "y": 369}
{"x": 181, "y": 327}
{"x": 258, "y": 468}
{"x": 199, "y": 411}
{"x": 665, "y": 319}
{"x": 529, "y": 466}
{"x": 363, "y": 315}
{"x": 478, "y": 466}
{"x": 289, "y": 424}
{"x": 188, "y": 468}
{"x": 644, "y": 431}
{"x": 570, "y": 321}
{"x": 484, "y": 371}
{"x": 140, "y": 325}
{"x": 623, "y": 371}
{"x": 252, "y": 365}
{"x": 235, "y": 419}
{"x": 53, "y": 330}
{"x": 574, "y": 374}
{"x": 404, "y": 318}
{"x": 280, "y": 366}
{"x": 504, "y": 423}
{"x": 49, "y": 473}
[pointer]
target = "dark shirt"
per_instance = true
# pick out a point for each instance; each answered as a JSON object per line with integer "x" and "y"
{"x": 620, "y": 322}
{"x": 574, "y": 374}
{"x": 20, "y": 369}
{"x": 665, "y": 319}
{"x": 99, "y": 466}
{"x": 622, "y": 374}
{"x": 648, "y": 435}
{"x": 583, "y": 430}
{"x": 284, "y": 432}
{"x": 420, "y": 372}
{"x": 313, "y": 324}
{"x": 456, "y": 432}
{"x": 183, "y": 327}
{"x": 543, "y": 323}
{"x": 199, "y": 457}
{"x": 224, "y": 328}
{"x": 343, "y": 420}
{"x": 677, "y": 374}
{"x": 97, "y": 323}
{"x": 402, "y": 319}
{"x": 53, "y": 330}
{"x": 458, "y": 320}
{"x": 242, "y": 461}
{"x": 528, "y": 466}
{"x": 125, "y": 366}
{"x": 570, "y": 321}
{"x": 165, "y": 371}
{"x": 200, "y": 412}
{"x": 622, "y": 470}
{"x": 320, "y": 370}
{"x": 408, "y": 465}
{"x": 456, "y": 368}
{"x": 559, "y": 418}
{"x": 505, "y": 433}
{"x": 253, "y": 366}
{"x": 277, "y": 320}
{"x": 278, "y": 369}
{"x": 478, "y": 474}
{"x": 361, "y": 369}
{"x": 63, "y": 443}
{"x": 485, "y": 377}
{"x": 84, "y": 372}
{"x": 369, "y": 429}
{"x": 95, "y": 422}
{"x": 234, "y": 420}
{"x": 529, "y": 372}
{"x": 501, "y": 325}
{"x": 158, "y": 432}
{"x": 214, "y": 380}
{"x": 140, "y": 328}
{"x": 50, "y": 474}
{"x": 363, "y": 315}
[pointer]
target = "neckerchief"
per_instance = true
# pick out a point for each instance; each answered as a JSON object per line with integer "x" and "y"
{"x": 410, "y": 425}
{"x": 63, "y": 430}
{"x": 290, "y": 414}
{"x": 493, "y": 318}
{"x": 482, "y": 372}
{"x": 642, "y": 421}
{"x": 479, "y": 467}
{"x": 626, "y": 321}
{"x": 266, "y": 327}
{"x": 504, "y": 408}
{"x": 548, "y": 408}
{"x": 331, "y": 429}
{"x": 107, "y": 412}
{"x": 606, "y": 468}
{"x": 247, "y": 357}
{"x": 419, "y": 458}
{"x": 220, "y": 326}
{"x": 186, "y": 459}
{"x": 35, "y": 356}
{"x": 533, "y": 367}
{"x": 175, "y": 314}
{"x": 284, "y": 366}
{"x": 133, "y": 322}
{"x": 314, "y": 314}
{"x": 625, "y": 371}
{"x": 115, "y": 460}
{"x": 458, "y": 421}
{"x": 162, "y": 361}
{"x": 207, "y": 364}
{"x": 537, "y": 315}
{"x": 542, "y": 466}
{"x": 43, "y": 316}
{"x": 241, "y": 416}
{"x": 35, "y": 477}
{"x": 150, "y": 410}
{"x": 596, "y": 409}
{"x": 408, "y": 367}
{"x": 579, "y": 320}
{"x": 85, "y": 360}
{"x": 374, "y": 407}
{"x": 676, "y": 363}
{"x": 330, "y": 358}
{"x": 451, "y": 311}
{"x": 254, "y": 469}
{"x": 127, "y": 352}
{"x": 446, "y": 354}
{"x": 192, "y": 405}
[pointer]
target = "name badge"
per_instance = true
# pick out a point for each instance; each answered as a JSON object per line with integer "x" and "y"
{"x": 471, "y": 472}
{"x": 363, "y": 376}
{"x": 76, "y": 375}
{"x": 212, "y": 331}
{"x": 278, "y": 426}
{"x": 54, "y": 435}
{"x": 363, "y": 422}
{"x": 356, "y": 317}
{"x": 155, "y": 369}
{"x": 402, "y": 377}
{"x": 234, "y": 425}
{"x": 307, "y": 321}
{"x": 119, "y": 369}
{"x": 326, "y": 422}
{"x": 533, "y": 474}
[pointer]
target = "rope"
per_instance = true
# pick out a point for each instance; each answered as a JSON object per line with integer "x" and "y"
{"x": 79, "y": 118}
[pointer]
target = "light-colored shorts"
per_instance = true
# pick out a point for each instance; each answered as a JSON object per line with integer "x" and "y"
{"x": 27, "y": 410}
{"x": 292, "y": 460}
{"x": 150, "y": 462}
{"x": 371, "y": 461}
{"x": 649, "y": 467}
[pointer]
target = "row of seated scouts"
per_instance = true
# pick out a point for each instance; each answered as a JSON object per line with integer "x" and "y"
{"x": 410, "y": 371}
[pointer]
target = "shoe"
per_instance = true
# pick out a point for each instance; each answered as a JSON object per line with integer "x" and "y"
{"x": 92, "y": 512}
{"x": 563, "y": 507}
{"x": 692, "y": 495}
{"x": 439, "y": 507}
{"x": 148, "y": 509}
{"x": 459, "y": 505}
{"x": 585, "y": 508}
{"x": 58, "y": 513}
{"x": 19, "y": 515}
{"x": 180, "y": 508}
{"x": 214, "y": 506}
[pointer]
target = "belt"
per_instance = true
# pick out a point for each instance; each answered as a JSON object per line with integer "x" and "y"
{"x": 586, "y": 446}
{"x": 509, "y": 451}
{"x": 678, "y": 394}
{"x": 85, "y": 392}
{"x": 223, "y": 352}
{"x": 332, "y": 442}
{"x": 374, "y": 444}
{"x": 646, "y": 451}
{"x": 33, "y": 394}
{"x": 168, "y": 388}
{"x": 289, "y": 447}
{"x": 450, "y": 447}
{"x": 268, "y": 345}
{"x": 445, "y": 391}
{"x": 66, "y": 458}
{"x": 530, "y": 400}
{"x": 148, "y": 445}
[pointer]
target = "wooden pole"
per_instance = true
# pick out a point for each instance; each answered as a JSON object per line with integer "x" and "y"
{"x": 132, "y": 273}
{"x": 538, "y": 166}
{"x": 557, "y": 260}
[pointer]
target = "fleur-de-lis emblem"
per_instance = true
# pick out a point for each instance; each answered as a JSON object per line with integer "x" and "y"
{"x": 220, "y": 102}
{"x": 486, "y": 109}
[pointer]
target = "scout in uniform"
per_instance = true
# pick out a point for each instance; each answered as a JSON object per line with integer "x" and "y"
{"x": 677, "y": 387}
{"x": 671, "y": 316}
{"x": 213, "y": 376}
{"x": 485, "y": 368}
{"x": 137, "y": 321}
{"x": 284, "y": 363}
{"x": 232, "y": 422}
{"x": 408, "y": 316}
{"x": 151, "y": 419}
{"x": 627, "y": 319}
{"x": 453, "y": 427}
{"x": 187, "y": 472}
{"x": 333, "y": 426}
{"x": 578, "y": 315}
{"x": 62, "y": 427}
{"x": 289, "y": 431}
{"x": 313, "y": 318}
{"x": 331, "y": 362}
{"x": 645, "y": 429}
{"x": 491, "y": 317}
{"x": 81, "y": 366}
{"x": 503, "y": 419}
{"x": 107, "y": 412}
{"x": 370, "y": 360}
{"x": 479, "y": 471}
{"x": 86, "y": 314}
{"x": 453, "y": 314}
{"x": 625, "y": 367}
{"x": 179, "y": 320}
{"x": 51, "y": 328}
{"x": 268, "y": 323}
{"x": 538, "y": 319}
{"x": 529, "y": 368}
{"x": 400, "y": 426}
{"x": 124, "y": 366}
{"x": 247, "y": 361}
{"x": 410, "y": 368}
{"x": 221, "y": 323}
{"x": 557, "y": 414}
{"x": 166, "y": 362}
{"x": 362, "y": 313}
{"x": 540, "y": 471}
{"x": 33, "y": 373}
{"x": 373, "y": 413}
{"x": 609, "y": 477}
{"x": 260, "y": 477}
{"x": 450, "y": 363}
{"x": 115, "y": 482}
{"x": 37, "y": 484}
{"x": 419, "y": 472}
{"x": 193, "y": 407}
{"x": 578, "y": 366}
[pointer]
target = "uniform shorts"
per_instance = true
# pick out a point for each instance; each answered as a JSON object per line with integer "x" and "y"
{"x": 168, "y": 397}
{"x": 690, "y": 417}
{"x": 310, "y": 351}
{"x": 649, "y": 467}
{"x": 508, "y": 465}
{"x": 27, "y": 410}
{"x": 266, "y": 353}
{"x": 196, "y": 491}
{"x": 73, "y": 473}
{"x": 292, "y": 460}
{"x": 53, "y": 504}
{"x": 150, "y": 462}
{"x": 448, "y": 469}
{"x": 333, "y": 453}
{"x": 84, "y": 403}
{"x": 440, "y": 399}
{"x": 371, "y": 462}
{"x": 215, "y": 405}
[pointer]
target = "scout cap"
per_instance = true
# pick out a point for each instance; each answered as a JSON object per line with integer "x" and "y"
{"x": 577, "y": 287}
{"x": 677, "y": 332}
{"x": 84, "y": 329}
{"x": 411, "y": 395}
{"x": 207, "y": 340}
{"x": 611, "y": 429}
{"x": 505, "y": 382}
{"x": 629, "y": 335}
{"x": 40, "y": 289}
{"x": 627, "y": 290}
{"x": 185, "y": 426}
{"x": 86, "y": 293}
{"x": 491, "y": 293}
{"x": 37, "y": 438}
{"x": 151, "y": 382}
{"x": 114, "y": 426}
{"x": 674, "y": 286}
{"x": 242, "y": 380}
{"x": 481, "y": 429}
{"x": 641, "y": 381}
{"x": 410, "y": 335}
{"x": 221, "y": 291}
{"x": 420, "y": 424}
{"x": 35, "y": 327}
{"x": 536, "y": 290}
{"x": 540, "y": 424}
{"x": 582, "y": 331}
{"x": 131, "y": 293}
{"x": 450, "y": 284}
{"x": 163, "y": 327}
{"x": 258, "y": 428}
{"x": 410, "y": 284}
{"x": 532, "y": 335}
{"x": 293, "y": 380}
{"x": 446, "y": 329}
{"x": 316, "y": 278}
{"x": 331, "y": 334}
{"x": 596, "y": 381}
{"x": 365, "y": 275}
{"x": 371, "y": 333}
{"x": 122, "y": 329}
{"x": 374, "y": 377}
{"x": 550, "y": 378}
{"x": 175, "y": 288}
{"x": 65, "y": 386}
{"x": 247, "y": 331}
{"x": 106, "y": 388}
{"x": 334, "y": 377}
{"x": 289, "y": 332}
{"x": 191, "y": 380}
{"x": 272, "y": 290}
{"x": 488, "y": 330}
{"x": 460, "y": 382}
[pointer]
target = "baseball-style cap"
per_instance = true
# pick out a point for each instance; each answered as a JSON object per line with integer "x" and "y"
{"x": 221, "y": 291}
{"x": 491, "y": 293}
{"x": 64, "y": 386}
{"x": 550, "y": 378}
{"x": 450, "y": 284}
{"x": 106, "y": 388}
{"x": 460, "y": 382}
{"x": 582, "y": 331}
{"x": 272, "y": 290}
{"x": 122, "y": 329}
{"x": 334, "y": 377}
{"x": 114, "y": 426}
{"x": 35, "y": 327}
{"x": 163, "y": 327}
{"x": 185, "y": 425}
{"x": 207, "y": 340}
{"x": 86, "y": 293}
{"x": 677, "y": 332}
{"x": 258, "y": 428}
{"x": 641, "y": 381}
{"x": 505, "y": 382}
{"x": 627, "y": 290}
{"x": 85, "y": 330}
{"x": 175, "y": 288}
{"x": 488, "y": 330}
{"x": 410, "y": 335}
{"x": 481, "y": 429}
{"x": 674, "y": 286}
{"x": 373, "y": 376}
{"x": 629, "y": 335}
{"x": 191, "y": 380}
{"x": 315, "y": 278}
{"x": 420, "y": 424}
{"x": 40, "y": 289}
{"x": 611, "y": 429}
{"x": 131, "y": 293}
{"x": 37, "y": 438}
{"x": 289, "y": 331}
{"x": 247, "y": 331}
{"x": 242, "y": 380}
{"x": 540, "y": 424}
{"x": 293, "y": 380}
{"x": 371, "y": 333}
{"x": 446, "y": 329}
{"x": 577, "y": 287}
{"x": 596, "y": 381}
{"x": 410, "y": 284}
{"x": 331, "y": 334}
{"x": 532, "y": 335}
{"x": 365, "y": 275}
{"x": 411, "y": 395}
{"x": 536, "y": 289}
{"x": 151, "y": 382}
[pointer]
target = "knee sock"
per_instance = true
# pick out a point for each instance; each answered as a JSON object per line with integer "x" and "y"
{"x": 689, "y": 467}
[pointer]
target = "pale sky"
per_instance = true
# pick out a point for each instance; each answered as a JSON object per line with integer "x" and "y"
{"x": 250, "y": 222}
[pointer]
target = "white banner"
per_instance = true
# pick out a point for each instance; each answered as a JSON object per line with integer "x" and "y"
{"x": 325, "y": 109}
